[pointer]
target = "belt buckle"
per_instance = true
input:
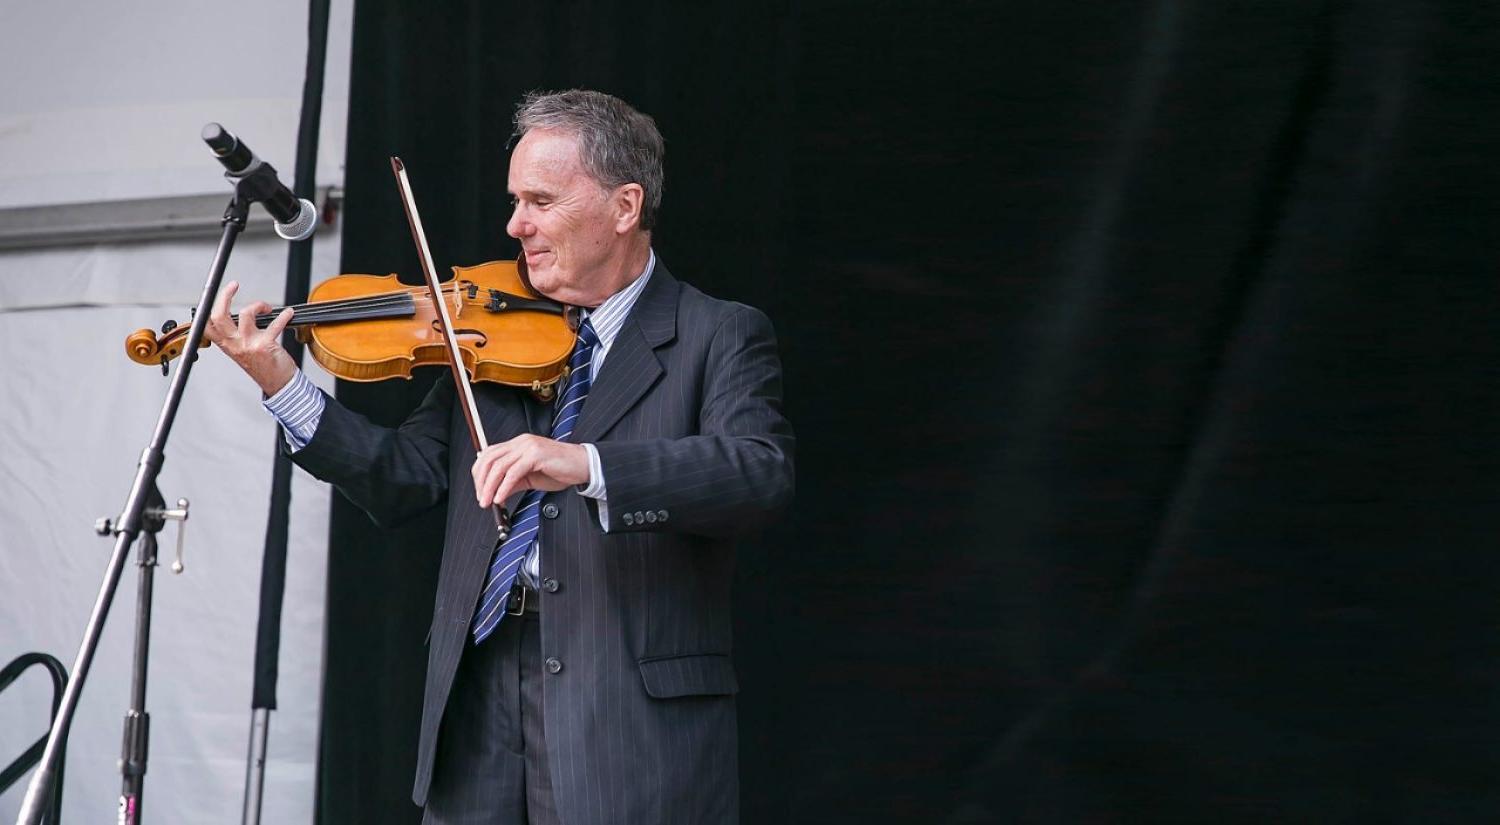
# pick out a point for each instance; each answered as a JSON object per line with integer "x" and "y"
{"x": 520, "y": 603}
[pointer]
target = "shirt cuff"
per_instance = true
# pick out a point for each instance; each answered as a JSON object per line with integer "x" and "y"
{"x": 298, "y": 407}
{"x": 595, "y": 488}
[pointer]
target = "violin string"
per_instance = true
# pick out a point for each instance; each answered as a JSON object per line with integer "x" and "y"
{"x": 388, "y": 304}
{"x": 341, "y": 304}
{"x": 334, "y": 310}
{"x": 348, "y": 310}
{"x": 403, "y": 298}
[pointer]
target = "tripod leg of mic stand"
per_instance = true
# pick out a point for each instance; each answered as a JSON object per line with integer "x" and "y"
{"x": 255, "y": 765}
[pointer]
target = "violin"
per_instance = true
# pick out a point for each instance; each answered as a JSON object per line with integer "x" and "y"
{"x": 371, "y": 327}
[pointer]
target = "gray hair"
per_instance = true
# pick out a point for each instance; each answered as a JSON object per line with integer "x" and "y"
{"x": 617, "y": 144}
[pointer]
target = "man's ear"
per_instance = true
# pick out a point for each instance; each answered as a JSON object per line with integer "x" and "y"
{"x": 628, "y": 201}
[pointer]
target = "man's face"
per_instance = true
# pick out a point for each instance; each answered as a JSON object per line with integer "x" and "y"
{"x": 563, "y": 218}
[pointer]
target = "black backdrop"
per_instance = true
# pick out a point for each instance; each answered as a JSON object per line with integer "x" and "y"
{"x": 1142, "y": 358}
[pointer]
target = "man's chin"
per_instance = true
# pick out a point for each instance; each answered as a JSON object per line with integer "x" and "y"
{"x": 542, "y": 279}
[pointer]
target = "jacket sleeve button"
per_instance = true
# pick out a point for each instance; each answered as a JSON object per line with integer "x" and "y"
{"x": 661, "y": 515}
{"x": 628, "y": 519}
{"x": 651, "y": 516}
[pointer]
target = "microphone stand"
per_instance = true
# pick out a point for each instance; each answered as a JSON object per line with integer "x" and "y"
{"x": 137, "y": 722}
{"x": 143, "y": 510}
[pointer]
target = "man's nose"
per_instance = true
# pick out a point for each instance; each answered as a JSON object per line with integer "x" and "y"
{"x": 517, "y": 227}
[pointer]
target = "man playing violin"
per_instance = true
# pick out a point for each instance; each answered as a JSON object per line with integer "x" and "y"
{"x": 579, "y": 672}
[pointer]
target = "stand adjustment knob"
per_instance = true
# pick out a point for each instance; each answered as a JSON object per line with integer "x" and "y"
{"x": 180, "y": 515}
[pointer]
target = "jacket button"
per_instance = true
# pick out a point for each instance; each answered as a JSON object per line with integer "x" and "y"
{"x": 549, "y": 510}
{"x": 628, "y": 519}
{"x": 661, "y": 515}
{"x": 550, "y": 585}
{"x": 651, "y": 516}
{"x": 640, "y": 518}
{"x": 554, "y": 665}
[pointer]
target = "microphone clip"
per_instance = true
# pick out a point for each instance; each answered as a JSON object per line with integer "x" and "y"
{"x": 260, "y": 184}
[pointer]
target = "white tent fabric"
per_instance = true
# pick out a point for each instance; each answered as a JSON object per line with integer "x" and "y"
{"x": 74, "y": 422}
{"x": 75, "y": 418}
{"x": 105, "y": 102}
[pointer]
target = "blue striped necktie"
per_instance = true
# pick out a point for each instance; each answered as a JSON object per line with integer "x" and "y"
{"x": 527, "y": 521}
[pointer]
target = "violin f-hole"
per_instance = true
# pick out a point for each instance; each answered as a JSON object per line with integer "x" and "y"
{"x": 458, "y": 331}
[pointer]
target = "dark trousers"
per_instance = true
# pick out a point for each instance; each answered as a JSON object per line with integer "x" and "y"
{"x": 491, "y": 766}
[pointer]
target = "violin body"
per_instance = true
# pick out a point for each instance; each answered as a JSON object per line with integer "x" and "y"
{"x": 372, "y": 327}
{"x": 515, "y": 347}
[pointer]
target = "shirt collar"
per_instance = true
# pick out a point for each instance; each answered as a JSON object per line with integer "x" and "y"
{"x": 609, "y": 317}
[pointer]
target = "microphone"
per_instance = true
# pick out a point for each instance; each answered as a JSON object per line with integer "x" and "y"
{"x": 296, "y": 218}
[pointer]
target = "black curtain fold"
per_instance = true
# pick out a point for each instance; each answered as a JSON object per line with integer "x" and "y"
{"x": 1141, "y": 358}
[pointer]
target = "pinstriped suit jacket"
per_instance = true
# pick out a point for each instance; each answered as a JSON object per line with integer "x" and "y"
{"x": 686, "y": 415}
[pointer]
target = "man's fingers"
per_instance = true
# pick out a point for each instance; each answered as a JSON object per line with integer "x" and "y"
{"x": 220, "y": 311}
{"x": 500, "y": 470}
{"x": 247, "y": 317}
{"x": 219, "y": 327}
{"x": 489, "y": 480}
{"x": 481, "y": 466}
{"x": 278, "y": 324}
{"x": 491, "y": 454}
{"x": 514, "y": 478}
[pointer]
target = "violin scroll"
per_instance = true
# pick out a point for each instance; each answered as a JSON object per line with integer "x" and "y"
{"x": 147, "y": 347}
{"x": 142, "y": 347}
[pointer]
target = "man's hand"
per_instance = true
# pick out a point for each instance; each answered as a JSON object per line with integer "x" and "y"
{"x": 258, "y": 351}
{"x": 527, "y": 462}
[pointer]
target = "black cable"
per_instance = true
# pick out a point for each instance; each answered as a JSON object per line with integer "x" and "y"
{"x": 298, "y": 271}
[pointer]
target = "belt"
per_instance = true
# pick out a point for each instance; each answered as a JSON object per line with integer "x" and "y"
{"x": 522, "y": 599}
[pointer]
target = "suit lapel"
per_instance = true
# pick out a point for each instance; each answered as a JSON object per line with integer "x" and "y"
{"x": 504, "y": 412}
{"x": 631, "y": 368}
{"x": 535, "y": 417}
{"x": 538, "y": 414}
